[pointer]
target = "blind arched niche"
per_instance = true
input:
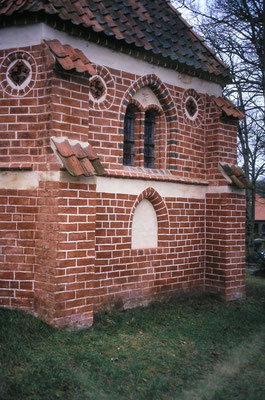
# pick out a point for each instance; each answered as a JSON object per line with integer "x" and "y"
{"x": 144, "y": 226}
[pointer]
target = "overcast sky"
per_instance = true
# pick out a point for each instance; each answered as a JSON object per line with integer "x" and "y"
{"x": 201, "y": 3}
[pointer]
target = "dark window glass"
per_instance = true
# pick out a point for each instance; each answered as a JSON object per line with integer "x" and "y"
{"x": 149, "y": 138}
{"x": 128, "y": 137}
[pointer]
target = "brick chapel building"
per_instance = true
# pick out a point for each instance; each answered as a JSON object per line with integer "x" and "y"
{"x": 118, "y": 176}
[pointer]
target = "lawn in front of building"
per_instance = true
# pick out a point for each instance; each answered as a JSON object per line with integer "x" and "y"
{"x": 193, "y": 349}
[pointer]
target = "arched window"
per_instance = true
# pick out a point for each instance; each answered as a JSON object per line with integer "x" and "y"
{"x": 149, "y": 138}
{"x": 128, "y": 142}
{"x": 141, "y": 140}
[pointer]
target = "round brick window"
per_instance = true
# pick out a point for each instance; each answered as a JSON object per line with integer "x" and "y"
{"x": 101, "y": 89}
{"x": 18, "y": 73}
{"x": 192, "y": 107}
{"x": 97, "y": 88}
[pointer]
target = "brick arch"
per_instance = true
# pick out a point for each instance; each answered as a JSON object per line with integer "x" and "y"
{"x": 154, "y": 107}
{"x": 139, "y": 107}
{"x": 168, "y": 106}
{"x": 136, "y": 104}
{"x": 160, "y": 90}
{"x": 161, "y": 213}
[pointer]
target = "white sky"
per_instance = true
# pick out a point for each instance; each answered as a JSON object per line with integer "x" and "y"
{"x": 201, "y": 3}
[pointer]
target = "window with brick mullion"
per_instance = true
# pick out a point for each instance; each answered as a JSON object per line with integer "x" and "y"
{"x": 139, "y": 138}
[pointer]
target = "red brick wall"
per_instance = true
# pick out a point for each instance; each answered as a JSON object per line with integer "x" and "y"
{"x": 128, "y": 276}
{"x": 225, "y": 245}
{"x": 18, "y": 247}
{"x": 76, "y": 254}
{"x": 66, "y": 256}
{"x": 103, "y": 125}
{"x": 66, "y": 250}
{"x": 221, "y": 143}
{"x": 47, "y": 258}
{"x": 59, "y": 105}
{"x": 25, "y": 119}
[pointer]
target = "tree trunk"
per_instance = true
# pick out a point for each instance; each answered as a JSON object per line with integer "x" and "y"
{"x": 250, "y": 223}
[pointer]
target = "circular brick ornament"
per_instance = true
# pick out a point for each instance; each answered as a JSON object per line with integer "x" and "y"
{"x": 192, "y": 107}
{"x": 18, "y": 73}
{"x": 102, "y": 89}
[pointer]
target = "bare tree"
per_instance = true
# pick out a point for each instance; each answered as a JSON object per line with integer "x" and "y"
{"x": 235, "y": 30}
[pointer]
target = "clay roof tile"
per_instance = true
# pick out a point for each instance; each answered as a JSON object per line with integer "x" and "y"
{"x": 57, "y": 48}
{"x": 5, "y": 8}
{"x": 235, "y": 175}
{"x": 72, "y": 165}
{"x": 259, "y": 208}
{"x": 66, "y": 63}
{"x": 64, "y": 148}
{"x": 64, "y": 14}
{"x": 90, "y": 152}
{"x": 71, "y": 52}
{"x": 78, "y": 150}
{"x": 80, "y": 67}
{"x": 98, "y": 167}
{"x": 87, "y": 167}
{"x": 152, "y": 26}
{"x": 228, "y": 107}
{"x": 70, "y": 59}
{"x": 237, "y": 182}
{"x": 78, "y": 158}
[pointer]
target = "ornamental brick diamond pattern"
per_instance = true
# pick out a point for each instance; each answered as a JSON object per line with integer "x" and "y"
{"x": 18, "y": 73}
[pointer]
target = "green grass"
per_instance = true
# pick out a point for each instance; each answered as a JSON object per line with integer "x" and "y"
{"x": 191, "y": 349}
